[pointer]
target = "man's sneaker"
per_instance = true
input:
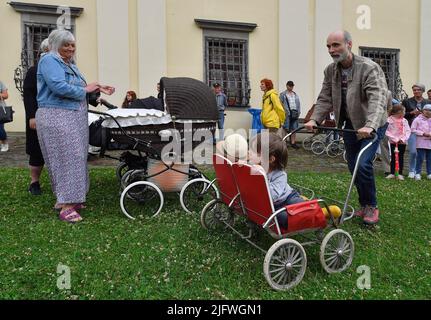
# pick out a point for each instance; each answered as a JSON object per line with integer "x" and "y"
{"x": 411, "y": 175}
{"x": 35, "y": 189}
{"x": 371, "y": 216}
{"x": 418, "y": 177}
{"x": 391, "y": 176}
{"x": 400, "y": 177}
{"x": 4, "y": 147}
{"x": 360, "y": 213}
{"x": 429, "y": 177}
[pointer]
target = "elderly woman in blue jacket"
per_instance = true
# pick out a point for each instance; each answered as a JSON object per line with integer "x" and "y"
{"x": 62, "y": 123}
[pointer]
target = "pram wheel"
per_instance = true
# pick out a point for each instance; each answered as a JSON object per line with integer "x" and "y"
{"x": 285, "y": 264}
{"x": 307, "y": 142}
{"x": 216, "y": 214}
{"x": 132, "y": 176}
{"x": 122, "y": 168}
{"x": 141, "y": 198}
{"x": 196, "y": 194}
{"x": 318, "y": 147}
{"x": 335, "y": 148}
{"x": 336, "y": 251}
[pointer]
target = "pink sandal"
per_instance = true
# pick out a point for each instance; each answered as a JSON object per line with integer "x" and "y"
{"x": 70, "y": 215}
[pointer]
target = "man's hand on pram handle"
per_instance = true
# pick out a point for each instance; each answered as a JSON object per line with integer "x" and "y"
{"x": 311, "y": 126}
{"x": 365, "y": 133}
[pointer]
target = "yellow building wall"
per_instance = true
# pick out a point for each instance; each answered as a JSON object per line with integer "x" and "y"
{"x": 186, "y": 49}
{"x": 394, "y": 24}
{"x": 10, "y": 29}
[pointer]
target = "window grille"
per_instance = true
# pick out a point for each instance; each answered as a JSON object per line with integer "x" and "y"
{"x": 33, "y": 35}
{"x": 389, "y": 61}
{"x": 226, "y": 62}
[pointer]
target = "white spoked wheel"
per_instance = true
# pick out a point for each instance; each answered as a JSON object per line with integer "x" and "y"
{"x": 334, "y": 149}
{"x": 307, "y": 142}
{"x": 141, "y": 198}
{"x": 285, "y": 264}
{"x": 196, "y": 194}
{"x": 215, "y": 214}
{"x": 318, "y": 147}
{"x": 337, "y": 251}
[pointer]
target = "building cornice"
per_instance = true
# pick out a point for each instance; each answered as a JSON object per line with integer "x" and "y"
{"x": 225, "y": 25}
{"x": 36, "y": 8}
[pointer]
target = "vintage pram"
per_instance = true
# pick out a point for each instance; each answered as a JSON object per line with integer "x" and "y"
{"x": 244, "y": 192}
{"x": 155, "y": 142}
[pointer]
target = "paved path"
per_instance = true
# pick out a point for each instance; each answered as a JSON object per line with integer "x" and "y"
{"x": 299, "y": 160}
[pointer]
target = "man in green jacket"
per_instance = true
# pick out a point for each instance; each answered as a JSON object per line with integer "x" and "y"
{"x": 356, "y": 88}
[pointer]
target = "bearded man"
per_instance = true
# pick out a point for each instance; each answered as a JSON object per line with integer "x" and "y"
{"x": 355, "y": 87}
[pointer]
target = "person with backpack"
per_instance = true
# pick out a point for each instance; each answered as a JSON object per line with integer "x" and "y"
{"x": 292, "y": 108}
{"x": 273, "y": 115}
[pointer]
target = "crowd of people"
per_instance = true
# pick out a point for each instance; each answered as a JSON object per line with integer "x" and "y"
{"x": 56, "y": 97}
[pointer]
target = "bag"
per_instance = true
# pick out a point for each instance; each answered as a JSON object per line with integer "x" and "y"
{"x": 6, "y": 113}
{"x": 305, "y": 216}
{"x": 294, "y": 114}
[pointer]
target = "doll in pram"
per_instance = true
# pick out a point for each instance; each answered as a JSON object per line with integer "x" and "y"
{"x": 159, "y": 147}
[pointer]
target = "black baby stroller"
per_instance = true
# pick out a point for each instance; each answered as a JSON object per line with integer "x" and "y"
{"x": 160, "y": 146}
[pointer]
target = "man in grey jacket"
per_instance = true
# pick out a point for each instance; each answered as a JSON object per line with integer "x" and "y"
{"x": 356, "y": 88}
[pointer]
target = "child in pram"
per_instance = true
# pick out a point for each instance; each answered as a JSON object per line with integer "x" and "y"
{"x": 270, "y": 151}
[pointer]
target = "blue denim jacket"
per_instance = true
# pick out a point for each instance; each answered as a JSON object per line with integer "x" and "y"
{"x": 59, "y": 85}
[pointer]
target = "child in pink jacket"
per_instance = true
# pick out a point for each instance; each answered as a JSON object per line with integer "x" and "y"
{"x": 421, "y": 126}
{"x": 398, "y": 133}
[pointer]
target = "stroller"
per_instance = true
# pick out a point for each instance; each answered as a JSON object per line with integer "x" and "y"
{"x": 155, "y": 143}
{"x": 286, "y": 260}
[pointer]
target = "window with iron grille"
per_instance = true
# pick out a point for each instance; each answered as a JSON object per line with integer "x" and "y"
{"x": 226, "y": 62}
{"x": 389, "y": 61}
{"x": 37, "y": 21}
{"x": 34, "y": 34}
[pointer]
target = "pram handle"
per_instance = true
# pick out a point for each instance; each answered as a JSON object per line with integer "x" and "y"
{"x": 320, "y": 128}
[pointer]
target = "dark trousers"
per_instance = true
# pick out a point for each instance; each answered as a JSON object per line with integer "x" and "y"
{"x": 3, "y": 135}
{"x": 401, "y": 149}
{"x": 364, "y": 182}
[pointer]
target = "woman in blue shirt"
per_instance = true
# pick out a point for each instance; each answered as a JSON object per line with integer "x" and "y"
{"x": 62, "y": 123}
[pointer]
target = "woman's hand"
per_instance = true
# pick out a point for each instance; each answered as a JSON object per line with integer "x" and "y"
{"x": 32, "y": 123}
{"x": 92, "y": 87}
{"x": 107, "y": 90}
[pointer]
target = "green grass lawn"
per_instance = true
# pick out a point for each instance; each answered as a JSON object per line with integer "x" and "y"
{"x": 173, "y": 257}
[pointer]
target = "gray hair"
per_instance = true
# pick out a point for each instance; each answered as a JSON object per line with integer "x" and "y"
{"x": 419, "y": 85}
{"x": 44, "y": 46}
{"x": 57, "y": 38}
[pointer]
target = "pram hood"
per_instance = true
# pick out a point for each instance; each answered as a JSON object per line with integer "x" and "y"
{"x": 187, "y": 98}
